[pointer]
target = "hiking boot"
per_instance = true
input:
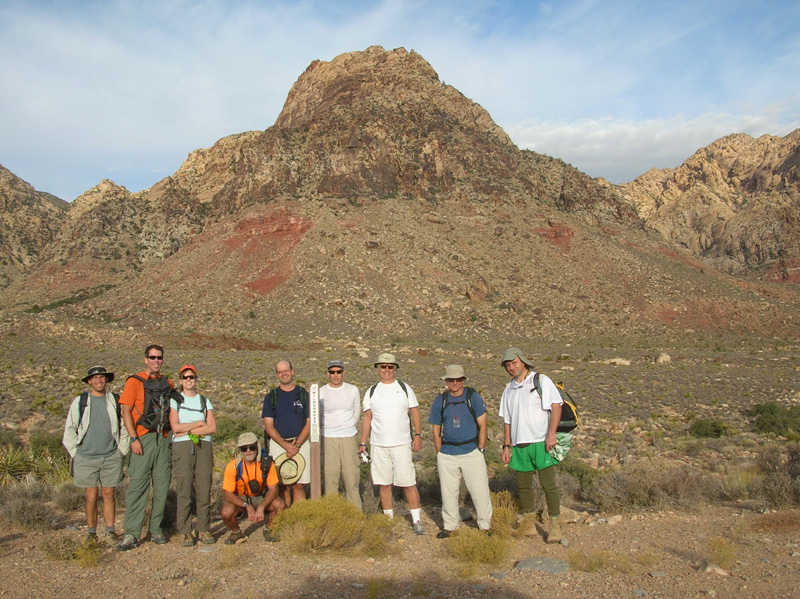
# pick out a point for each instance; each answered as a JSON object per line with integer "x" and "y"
{"x": 188, "y": 540}
{"x": 269, "y": 537}
{"x": 554, "y": 535}
{"x": 113, "y": 537}
{"x": 128, "y": 542}
{"x": 418, "y": 527}
{"x": 443, "y": 534}
{"x": 207, "y": 538}
{"x": 91, "y": 539}
{"x": 158, "y": 539}
{"x": 236, "y": 535}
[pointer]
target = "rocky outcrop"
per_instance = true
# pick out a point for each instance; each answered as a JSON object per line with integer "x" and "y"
{"x": 29, "y": 220}
{"x": 735, "y": 204}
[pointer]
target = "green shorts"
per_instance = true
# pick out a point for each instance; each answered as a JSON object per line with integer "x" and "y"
{"x": 92, "y": 471}
{"x": 530, "y": 456}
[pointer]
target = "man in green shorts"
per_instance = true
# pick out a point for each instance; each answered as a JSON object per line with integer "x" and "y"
{"x": 529, "y": 433}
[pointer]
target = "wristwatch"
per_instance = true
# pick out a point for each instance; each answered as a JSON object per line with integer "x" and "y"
{"x": 482, "y": 449}
{"x": 134, "y": 439}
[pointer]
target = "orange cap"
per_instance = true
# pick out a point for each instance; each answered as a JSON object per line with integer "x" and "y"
{"x": 187, "y": 367}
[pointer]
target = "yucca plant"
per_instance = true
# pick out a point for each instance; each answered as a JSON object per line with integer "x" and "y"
{"x": 15, "y": 463}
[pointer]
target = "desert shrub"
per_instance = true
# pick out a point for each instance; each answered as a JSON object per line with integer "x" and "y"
{"x": 23, "y": 504}
{"x": 774, "y": 418}
{"x": 68, "y": 497}
{"x": 504, "y": 513}
{"x": 48, "y": 444}
{"x": 707, "y": 428}
{"x": 581, "y": 472}
{"x": 8, "y": 437}
{"x": 332, "y": 522}
{"x": 229, "y": 428}
{"x": 60, "y": 548}
{"x": 590, "y": 562}
{"x": 475, "y": 546}
{"x": 648, "y": 485}
{"x": 780, "y": 486}
{"x": 721, "y": 552}
{"x": 737, "y": 482}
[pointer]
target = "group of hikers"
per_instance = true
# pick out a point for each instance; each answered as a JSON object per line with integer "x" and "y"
{"x": 168, "y": 432}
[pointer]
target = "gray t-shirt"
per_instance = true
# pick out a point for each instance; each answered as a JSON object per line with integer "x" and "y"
{"x": 98, "y": 441}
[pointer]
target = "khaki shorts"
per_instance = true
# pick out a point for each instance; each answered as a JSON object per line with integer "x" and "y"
{"x": 90, "y": 471}
{"x": 393, "y": 466}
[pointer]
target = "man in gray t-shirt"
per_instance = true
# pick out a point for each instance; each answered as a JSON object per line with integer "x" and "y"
{"x": 97, "y": 442}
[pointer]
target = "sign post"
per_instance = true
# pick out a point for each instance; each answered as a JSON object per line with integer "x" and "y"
{"x": 316, "y": 465}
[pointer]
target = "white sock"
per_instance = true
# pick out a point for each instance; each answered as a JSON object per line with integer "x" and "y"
{"x": 390, "y": 513}
{"x": 414, "y": 514}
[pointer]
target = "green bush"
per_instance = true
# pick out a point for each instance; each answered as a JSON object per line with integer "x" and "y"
{"x": 48, "y": 444}
{"x": 477, "y": 547}
{"x": 8, "y": 437}
{"x": 707, "y": 428}
{"x": 332, "y": 522}
{"x": 24, "y": 505}
{"x": 229, "y": 429}
{"x": 776, "y": 419}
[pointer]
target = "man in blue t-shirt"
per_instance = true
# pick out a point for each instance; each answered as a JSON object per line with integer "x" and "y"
{"x": 286, "y": 421}
{"x": 459, "y": 424}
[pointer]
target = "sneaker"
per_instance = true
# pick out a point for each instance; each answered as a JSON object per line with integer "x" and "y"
{"x": 236, "y": 535}
{"x": 188, "y": 540}
{"x": 418, "y": 527}
{"x": 113, "y": 537}
{"x": 128, "y": 542}
{"x": 158, "y": 539}
{"x": 442, "y": 534}
{"x": 268, "y": 536}
{"x": 91, "y": 539}
{"x": 207, "y": 537}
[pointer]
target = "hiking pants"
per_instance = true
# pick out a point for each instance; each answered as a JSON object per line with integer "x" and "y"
{"x": 472, "y": 467}
{"x": 340, "y": 456}
{"x": 547, "y": 478}
{"x": 192, "y": 466}
{"x": 154, "y": 463}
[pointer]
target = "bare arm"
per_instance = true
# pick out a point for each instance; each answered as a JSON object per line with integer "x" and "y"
{"x": 555, "y": 418}
{"x": 416, "y": 421}
{"x": 483, "y": 430}
{"x": 437, "y": 437}
{"x": 130, "y": 426}
{"x": 269, "y": 426}
{"x": 506, "y": 443}
{"x": 366, "y": 426}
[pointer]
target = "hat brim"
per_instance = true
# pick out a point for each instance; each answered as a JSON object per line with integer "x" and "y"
{"x": 109, "y": 376}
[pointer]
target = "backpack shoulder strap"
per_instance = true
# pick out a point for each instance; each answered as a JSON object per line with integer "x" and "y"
{"x": 403, "y": 387}
{"x": 444, "y": 397}
{"x": 82, "y": 403}
{"x": 469, "y": 393}
{"x": 273, "y": 398}
{"x": 371, "y": 390}
{"x": 303, "y": 395}
{"x": 537, "y": 383}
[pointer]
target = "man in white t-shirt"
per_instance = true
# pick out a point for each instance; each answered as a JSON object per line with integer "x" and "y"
{"x": 529, "y": 432}
{"x": 340, "y": 406}
{"x": 387, "y": 406}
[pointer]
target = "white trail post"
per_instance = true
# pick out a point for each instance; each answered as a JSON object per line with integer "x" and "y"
{"x": 316, "y": 465}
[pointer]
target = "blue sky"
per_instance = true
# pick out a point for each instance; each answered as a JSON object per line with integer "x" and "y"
{"x": 124, "y": 90}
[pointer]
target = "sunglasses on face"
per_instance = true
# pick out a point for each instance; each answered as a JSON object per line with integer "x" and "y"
{"x": 155, "y": 357}
{"x": 188, "y": 377}
{"x": 245, "y": 448}
{"x": 387, "y": 366}
{"x": 452, "y": 380}
{"x": 335, "y": 371}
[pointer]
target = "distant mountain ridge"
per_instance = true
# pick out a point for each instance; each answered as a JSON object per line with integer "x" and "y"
{"x": 381, "y": 203}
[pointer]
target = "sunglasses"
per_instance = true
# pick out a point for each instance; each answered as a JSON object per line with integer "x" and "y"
{"x": 188, "y": 377}
{"x": 244, "y": 448}
{"x": 335, "y": 371}
{"x": 155, "y": 357}
{"x": 452, "y": 380}
{"x": 387, "y": 366}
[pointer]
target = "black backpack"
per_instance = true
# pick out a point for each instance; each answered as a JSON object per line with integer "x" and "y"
{"x": 157, "y": 393}
{"x": 569, "y": 409}
{"x": 301, "y": 394}
{"x": 468, "y": 400}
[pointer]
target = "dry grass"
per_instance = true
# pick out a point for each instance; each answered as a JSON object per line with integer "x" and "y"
{"x": 504, "y": 513}
{"x": 477, "y": 547}
{"x": 721, "y": 552}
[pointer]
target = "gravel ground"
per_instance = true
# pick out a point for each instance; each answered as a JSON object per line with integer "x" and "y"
{"x": 655, "y": 554}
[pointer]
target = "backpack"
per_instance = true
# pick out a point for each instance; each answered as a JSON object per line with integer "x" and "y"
{"x": 371, "y": 390}
{"x": 83, "y": 403}
{"x": 569, "y": 409}
{"x": 468, "y": 400}
{"x": 265, "y": 460}
{"x": 273, "y": 397}
{"x": 203, "y": 405}
{"x": 157, "y": 393}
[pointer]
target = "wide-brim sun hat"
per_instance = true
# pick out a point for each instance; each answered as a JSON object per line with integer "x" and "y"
{"x": 290, "y": 469}
{"x": 98, "y": 370}
{"x": 386, "y": 358}
{"x": 515, "y": 352}
{"x": 454, "y": 371}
